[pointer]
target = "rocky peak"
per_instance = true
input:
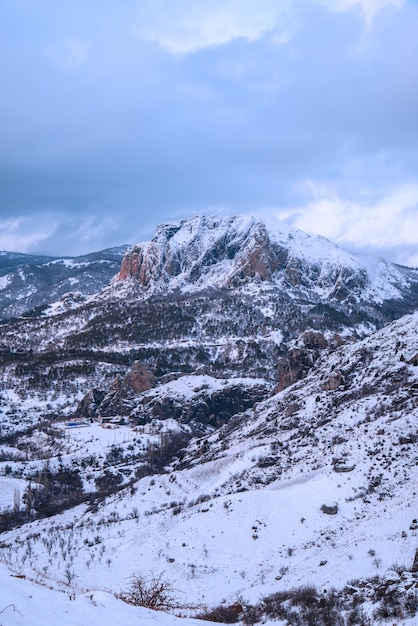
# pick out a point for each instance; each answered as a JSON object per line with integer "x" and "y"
{"x": 191, "y": 250}
{"x": 203, "y": 252}
{"x": 117, "y": 401}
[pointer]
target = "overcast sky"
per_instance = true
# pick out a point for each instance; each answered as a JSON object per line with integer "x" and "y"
{"x": 115, "y": 116}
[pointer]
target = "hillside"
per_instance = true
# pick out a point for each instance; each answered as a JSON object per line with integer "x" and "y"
{"x": 29, "y": 283}
{"x": 212, "y": 252}
{"x": 234, "y": 414}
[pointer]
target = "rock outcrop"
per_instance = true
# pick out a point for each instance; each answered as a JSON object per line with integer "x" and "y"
{"x": 190, "y": 250}
{"x": 118, "y": 399}
{"x": 300, "y": 359}
{"x": 206, "y": 405}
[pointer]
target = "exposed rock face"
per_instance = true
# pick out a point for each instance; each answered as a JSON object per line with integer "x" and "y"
{"x": 293, "y": 367}
{"x": 190, "y": 249}
{"x": 300, "y": 359}
{"x": 263, "y": 260}
{"x": 138, "y": 378}
{"x": 118, "y": 400}
{"x": 334, "y": 381}
{"x": 206, "y": 406}
{"x": 199, "y": 401}
{"x": 88, "y": 405}
{"x": 132, "y": 265}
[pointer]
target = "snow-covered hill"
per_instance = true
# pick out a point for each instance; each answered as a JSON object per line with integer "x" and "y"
{"x": 26, "y": 603}
{"x": 29, "y": 282}
{"x": 226, "y": 295}
{"x": 316, "y": 485}
{"x": 235, "y": 415}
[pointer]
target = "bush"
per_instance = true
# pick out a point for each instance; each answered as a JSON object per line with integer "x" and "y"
{"x": 222, "y": 614}
{"x": 152, "y": 592}
{"x": 304, "y": 596}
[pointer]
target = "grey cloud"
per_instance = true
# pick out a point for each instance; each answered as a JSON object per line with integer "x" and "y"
{"x": 129, "y": 133}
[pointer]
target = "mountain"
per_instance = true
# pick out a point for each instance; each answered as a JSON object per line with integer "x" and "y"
{"x": 29, "y": 283}
{"x": 211, "y": 252}
{"x": 225, "y": 296}
{"x": 232, "y": 420}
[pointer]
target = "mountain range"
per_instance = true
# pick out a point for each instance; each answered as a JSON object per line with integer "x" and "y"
{"x": 229, "y": 409}
{"x": 29, "y": 282}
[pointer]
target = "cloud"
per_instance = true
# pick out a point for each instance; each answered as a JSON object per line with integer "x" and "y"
{"x": 184, "y": 26}
{"x": 23, "y": 234}
{"x": 149, "y": 111}
{"x": 369, "y": 8}
{"x": 70, "y": 55}
{"x": 386, "y": 226}
{"x": 57, "y": 234}
{"x": 84, "y": 233}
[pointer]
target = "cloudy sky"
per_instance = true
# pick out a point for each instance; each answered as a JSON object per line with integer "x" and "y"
{"x": 115, "y": 116}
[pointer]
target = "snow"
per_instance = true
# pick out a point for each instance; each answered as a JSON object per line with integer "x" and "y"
{"x": 10, "y": 488}
{"x": 186, "y": 386}
{"x": 5, "y": 281}
{"x": 188, "y": 242}
{"x": 69, "y": 263}
{"x": 276, "y": 336}
{"x": 95, "y": 439}
{"x": 25, "y": 603}
{"x": 239, "y": 515}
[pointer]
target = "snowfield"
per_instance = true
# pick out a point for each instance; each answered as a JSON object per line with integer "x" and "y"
{"x": 25, "y": 603}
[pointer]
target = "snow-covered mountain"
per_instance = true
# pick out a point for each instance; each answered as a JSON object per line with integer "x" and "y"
{"x": 235, "y": 417}
{"x": 29, "y": 282}
{"x": 210, "y": 252}
{"x": 226, "y": 295}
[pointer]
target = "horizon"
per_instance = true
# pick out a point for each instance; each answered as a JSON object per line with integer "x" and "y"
{"x": 359, "y": 253}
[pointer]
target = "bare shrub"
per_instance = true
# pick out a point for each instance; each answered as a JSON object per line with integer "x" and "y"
{"x": 222, "y": 614}
{"x": 252, "y": 615}
{"x": 69, "y": 575}
{"x": 152, "y": 592}
{"x": 304, "y": 596}
{"x": 275, "y": 605}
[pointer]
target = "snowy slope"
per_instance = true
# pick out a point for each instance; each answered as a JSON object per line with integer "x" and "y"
{"x": 242, "y": 515}
{"x": 226, "y": 488}
{"x": 25, "y": 603}
{"x": 28, "y": 281}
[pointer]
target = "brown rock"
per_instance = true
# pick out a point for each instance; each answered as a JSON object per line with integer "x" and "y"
{"x": 293, "y": 273}
{"x": 114, "y": 401}
{"x": 139, "y": 379}
{"x": 334, "y": 381}
{"x": 293, "y": 367}
{"x": 299, "y": 360}
{"x": 131, "y": 264}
